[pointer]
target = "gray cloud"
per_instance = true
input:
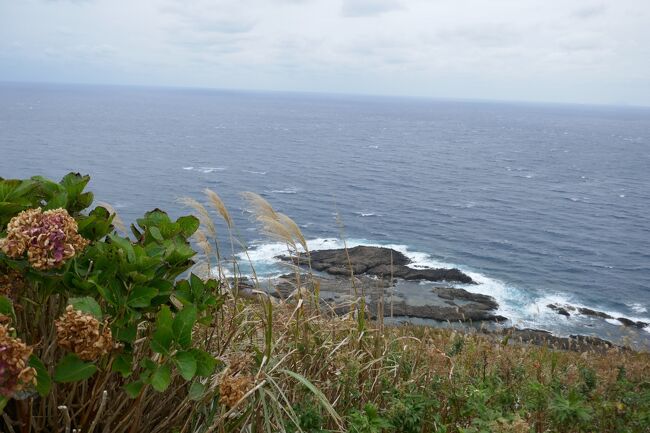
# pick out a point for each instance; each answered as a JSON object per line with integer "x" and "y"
{"x": 482, "y": 35}
{"x": 68, "y": 1}
{"x": 504, "y": 49}
{"x": 364, "y": 8}
{"x": 590, "y": 11}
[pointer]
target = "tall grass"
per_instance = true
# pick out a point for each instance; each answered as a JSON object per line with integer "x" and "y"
{"x": 315, "y": 371}
{"x": 292, "y": 365}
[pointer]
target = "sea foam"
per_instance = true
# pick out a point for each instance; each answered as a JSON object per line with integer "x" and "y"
{"x": 523, "y": 308}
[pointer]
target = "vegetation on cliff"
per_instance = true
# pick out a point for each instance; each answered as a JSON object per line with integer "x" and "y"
{"x": 104, "y": 331}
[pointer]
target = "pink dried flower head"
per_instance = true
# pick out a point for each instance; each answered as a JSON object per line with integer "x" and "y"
{"x": 82, "y": 334}
{"x": 50, "y": 238}
{"x": 15, "y": 375}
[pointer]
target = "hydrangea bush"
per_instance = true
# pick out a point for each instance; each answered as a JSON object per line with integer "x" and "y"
{"x": 90, "y": 317}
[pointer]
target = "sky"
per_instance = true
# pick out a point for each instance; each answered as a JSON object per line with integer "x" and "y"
{"x": 575, "y": 51}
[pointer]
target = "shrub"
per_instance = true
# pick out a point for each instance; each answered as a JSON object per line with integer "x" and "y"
{"x": 94, "y": 318}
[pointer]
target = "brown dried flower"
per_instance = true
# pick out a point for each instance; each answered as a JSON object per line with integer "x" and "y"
{"x": 240, "y": 362}
{"x": 15, "y": 375}
{"x": 11, "y": 283}
{"x": 49, "y": 238}
{"x": 233, "y": 388}
{"x": 82, "y": 334}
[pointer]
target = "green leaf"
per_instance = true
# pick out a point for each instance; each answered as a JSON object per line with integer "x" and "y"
{"x": 183, "y": 323}
{"x": 123, "y": 364}
{"x": 73, "y": 369}
{"x": 87, "y": 305}
{"x": 125, "y": 333}
{"x": 183, "y": 292}
{"x": 133, "y": 389}
{"x": 198, "y": 288}
{"x": 60, "y": 200}
{"x": 74, "y": 183}
{"x": 188, "y": 224}
{"x": 161, "y": 378}
{"x": 186, "y": 364}
{"x": 7, "y": 307}
{"x": 125, "y": 245}
{"x": 196, "y": 392}
{"x": 141, "y": 296}
{"x": 155, "y": 233}
{"x": 317, "y": 393}
{"x": 205, "y": 363}
{"x": 108, "y": 293}
{"x": 43, "y": 380}
{"x": 164, "y": 334}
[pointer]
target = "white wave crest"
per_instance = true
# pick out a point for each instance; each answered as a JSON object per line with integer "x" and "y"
{"x": 522, "y": 307}
{"x": 205, "y": 170}
{"x": 637, "y": 308}
{"x": 291, "y": 190}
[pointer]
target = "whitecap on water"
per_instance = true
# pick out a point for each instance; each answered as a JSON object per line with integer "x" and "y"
{"x": 637, "y": 308}
{"x": 210, "y": 169}
{"x": 205, "y": 170}
{"x": 523, "y": 308}
{"x": 290, "y": 190}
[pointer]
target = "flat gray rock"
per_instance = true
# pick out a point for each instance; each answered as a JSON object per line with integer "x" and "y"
{"x": 379, "y": 262}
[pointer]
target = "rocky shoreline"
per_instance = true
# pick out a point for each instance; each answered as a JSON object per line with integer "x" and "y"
{"x": 567, "y": 310}
{"x": 383, "y": 276}
{"x": 391, "y": 284}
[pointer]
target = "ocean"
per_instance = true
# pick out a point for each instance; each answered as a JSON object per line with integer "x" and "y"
{"x": 539, "y": 203}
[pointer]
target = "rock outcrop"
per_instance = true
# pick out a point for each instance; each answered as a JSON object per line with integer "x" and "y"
{"x": 564, "y": 310}
{"x": 440, "y": 303}
{"x": 378, "y": 262}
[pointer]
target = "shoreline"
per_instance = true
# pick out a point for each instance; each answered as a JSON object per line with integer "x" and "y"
{"x": 439, "y": 297}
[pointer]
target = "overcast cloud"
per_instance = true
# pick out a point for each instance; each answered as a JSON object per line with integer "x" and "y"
{"x": 582, "y": 51}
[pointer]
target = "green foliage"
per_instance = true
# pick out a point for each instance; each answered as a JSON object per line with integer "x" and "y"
{"x": 367, "y": 420}
{"x": 407, "y": 414}
{"x": 310, "y": 419}
{"x": 570, "y": 409}
{"x": 134, "y": 286}
{"x": 291, "y": 368}
{"x": 43, "y": 380}
{"x": 87, "y": 305}
{"x": 73, "y": 369}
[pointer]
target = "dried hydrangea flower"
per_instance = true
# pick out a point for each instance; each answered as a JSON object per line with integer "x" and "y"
{"x": 240, "y": 362}
{"x": 50, "y": 238}
{"x": 11, "y": 283}
{"x": 81, "y": 333}
{"x": 233, "y": 388}
{"x": 15, "y": 375}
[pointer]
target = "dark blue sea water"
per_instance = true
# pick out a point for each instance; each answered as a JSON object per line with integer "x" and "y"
{"x": 542, "y": 203}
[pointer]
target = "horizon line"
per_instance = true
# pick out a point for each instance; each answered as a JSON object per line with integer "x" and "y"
{"x": 335, "y": 94}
